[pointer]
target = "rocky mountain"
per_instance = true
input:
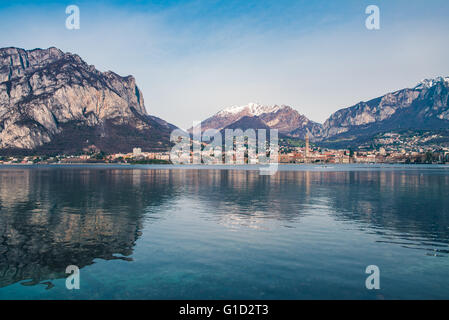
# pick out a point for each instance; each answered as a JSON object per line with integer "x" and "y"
{"x": 416, "y": 111}
{"x": 424, "y": 107}
{"x": 247, "y": 122}
{"x": 54, "y": 102}
{"x": 288, "y": 121}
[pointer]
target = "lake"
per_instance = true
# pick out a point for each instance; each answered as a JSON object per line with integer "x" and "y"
{"x": 167, "y": 232}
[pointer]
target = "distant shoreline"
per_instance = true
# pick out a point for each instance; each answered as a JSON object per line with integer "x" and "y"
{"x": 221, "y": 164}
{"x": 226, "y": 166}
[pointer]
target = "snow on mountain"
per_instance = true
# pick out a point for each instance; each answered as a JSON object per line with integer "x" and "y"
{"x": 252, "y": 109}
{"x": 428, "y": 83}
{"x": 283, "y": 118}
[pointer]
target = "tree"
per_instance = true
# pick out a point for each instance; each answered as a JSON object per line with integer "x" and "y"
{"x": 429, "y": 157}
{"x": 351, "y": 153}
{"x": 100, "y": 155}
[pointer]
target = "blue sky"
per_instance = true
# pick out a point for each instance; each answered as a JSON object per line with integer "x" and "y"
{"x": 193, "y": 58}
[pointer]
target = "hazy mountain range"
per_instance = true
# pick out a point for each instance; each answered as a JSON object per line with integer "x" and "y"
{"x": 53, "y": 102}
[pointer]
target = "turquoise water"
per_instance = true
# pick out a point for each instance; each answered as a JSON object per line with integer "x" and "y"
{"x": 160, "y": 232}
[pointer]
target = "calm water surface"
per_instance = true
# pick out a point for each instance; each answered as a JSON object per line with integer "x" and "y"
{"x": 150, "y": 232}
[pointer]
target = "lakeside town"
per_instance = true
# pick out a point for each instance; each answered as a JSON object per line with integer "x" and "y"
{"x": 288, "y": 154}
{"x": 388, "y": 154}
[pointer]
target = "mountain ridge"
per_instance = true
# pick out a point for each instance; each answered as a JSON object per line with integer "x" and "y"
{"x": 46, "y": 94}
{"x": 423, "y": 107}
{"x": 287, "y": 120}
{"x": 51, "y": 101}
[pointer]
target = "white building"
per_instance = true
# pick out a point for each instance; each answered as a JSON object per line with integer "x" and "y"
{"x": 137, "y": 152}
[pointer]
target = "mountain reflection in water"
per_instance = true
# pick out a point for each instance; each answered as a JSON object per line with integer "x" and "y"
{"x": 53, "y": 217}
{"x": 50, "y": 219}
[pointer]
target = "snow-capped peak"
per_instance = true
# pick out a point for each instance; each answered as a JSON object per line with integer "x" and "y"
{"x": 253, "y": 109}
{"x": 428, "y": 83}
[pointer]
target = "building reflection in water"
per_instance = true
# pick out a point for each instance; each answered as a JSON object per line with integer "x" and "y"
{"x": 412, "y": 205}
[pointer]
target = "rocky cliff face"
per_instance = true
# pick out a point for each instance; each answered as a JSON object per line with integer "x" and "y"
{"x": 283, "y": 118}
{"x": 425, "y": 106}
{"x": 54, "y": 101}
